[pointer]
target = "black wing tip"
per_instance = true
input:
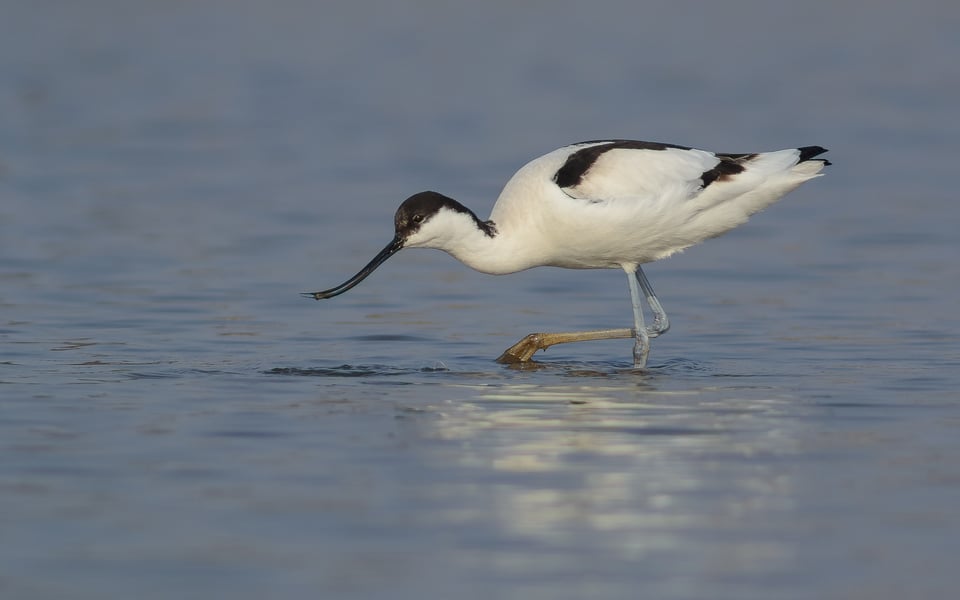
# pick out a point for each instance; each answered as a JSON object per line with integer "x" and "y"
{"x": 808, "y": 152}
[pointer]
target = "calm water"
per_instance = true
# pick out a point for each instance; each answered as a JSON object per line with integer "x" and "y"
{"x": 177, "y": 422}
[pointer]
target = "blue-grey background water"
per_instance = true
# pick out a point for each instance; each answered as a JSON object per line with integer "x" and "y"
{"x": 177, "y": 422}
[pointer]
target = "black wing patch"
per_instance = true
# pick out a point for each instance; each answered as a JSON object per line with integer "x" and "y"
{"x": 578, "y": 163}
{"x": 729, "y": 165}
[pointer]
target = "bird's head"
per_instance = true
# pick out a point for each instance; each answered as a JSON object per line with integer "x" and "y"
{"x": 424, "y": 220}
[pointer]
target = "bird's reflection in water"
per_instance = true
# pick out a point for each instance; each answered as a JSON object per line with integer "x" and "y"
{"x": 634, "y": 472}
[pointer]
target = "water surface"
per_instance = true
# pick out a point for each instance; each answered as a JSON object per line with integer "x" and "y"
{"x": 176, "y": 421}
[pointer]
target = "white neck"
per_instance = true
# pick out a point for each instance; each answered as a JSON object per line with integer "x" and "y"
{"x": 459, "y": 235}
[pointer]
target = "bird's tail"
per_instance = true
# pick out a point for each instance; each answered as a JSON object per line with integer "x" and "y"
{"x": 765, "y": 179}
{"x": 807, "y": 164}
{"x": 799, "y": 163}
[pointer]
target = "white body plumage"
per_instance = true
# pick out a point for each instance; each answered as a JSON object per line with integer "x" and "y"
{"x": 631, "y": 206}
{"x": 600, "y": 205}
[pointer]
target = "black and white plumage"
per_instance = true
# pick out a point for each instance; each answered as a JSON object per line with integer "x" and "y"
{"x": 601, "y": 205}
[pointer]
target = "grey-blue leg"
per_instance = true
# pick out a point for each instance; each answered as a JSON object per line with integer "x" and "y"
{"x": 641, "y": 348}
{"x": 524, "y": 350}
{"x": 660, "y": 321}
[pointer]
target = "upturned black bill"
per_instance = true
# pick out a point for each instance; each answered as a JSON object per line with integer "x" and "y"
{"x": 392, "y": 248}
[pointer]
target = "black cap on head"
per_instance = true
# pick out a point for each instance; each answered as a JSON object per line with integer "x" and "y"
{"x": 418, "y": 208}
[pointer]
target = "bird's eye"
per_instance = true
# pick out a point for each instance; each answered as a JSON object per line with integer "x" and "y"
{"x": 417, "y": 218}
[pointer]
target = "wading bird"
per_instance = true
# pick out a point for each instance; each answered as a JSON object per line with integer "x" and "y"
{"x": 608, "y": 204}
